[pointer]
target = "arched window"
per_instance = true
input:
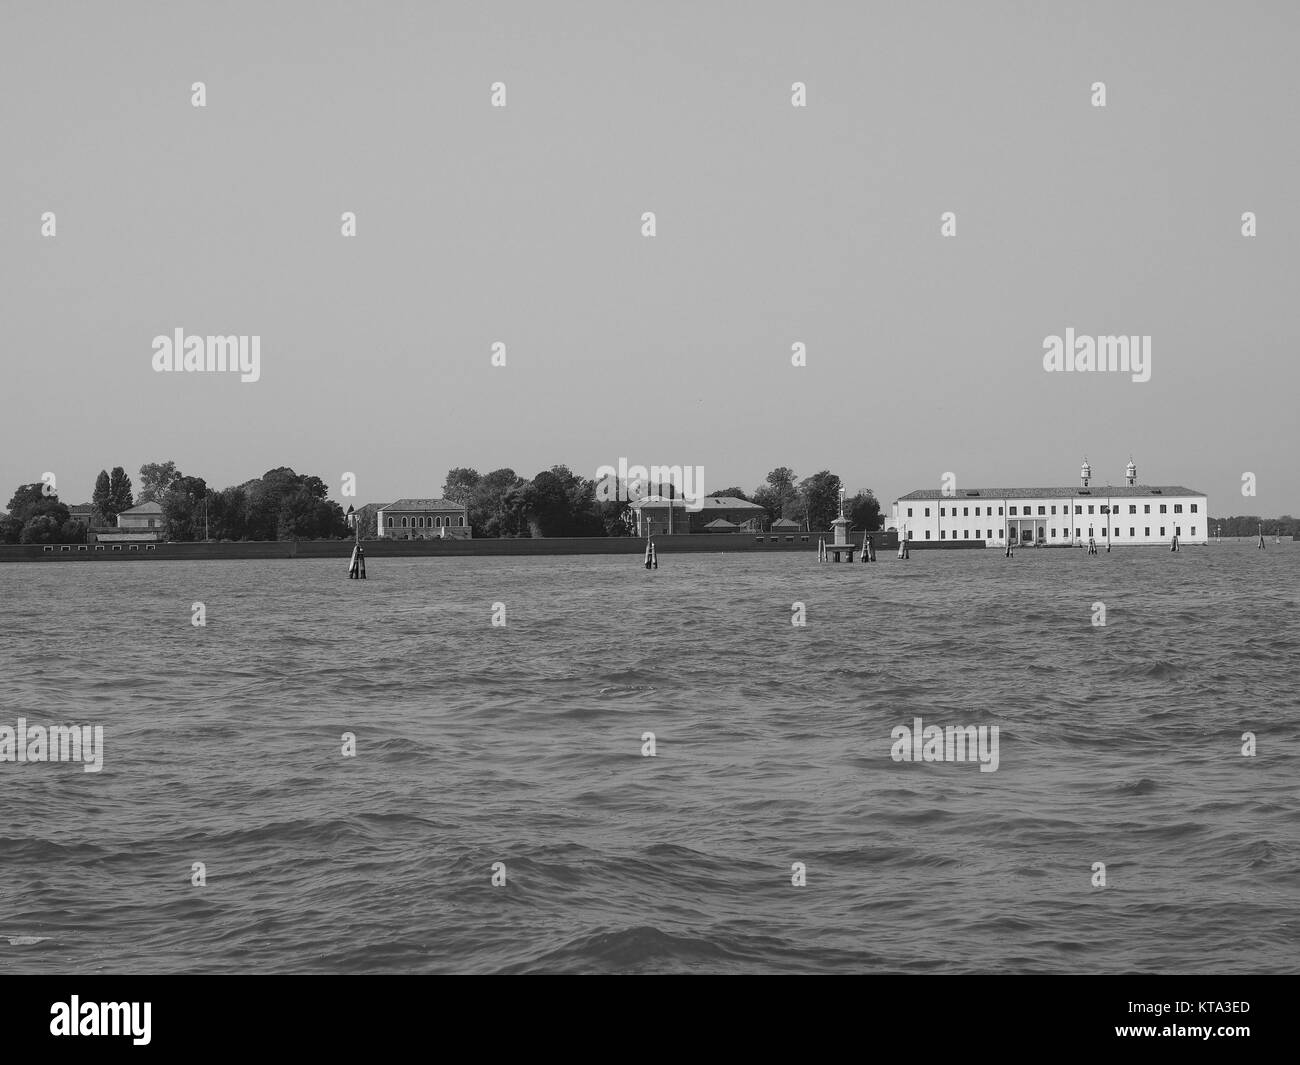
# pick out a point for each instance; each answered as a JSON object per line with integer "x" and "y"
{"x": 390, "y": 523}
{"x": 403, "y": 523}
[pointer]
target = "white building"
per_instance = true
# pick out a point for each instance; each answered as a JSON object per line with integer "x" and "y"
{"x": 1130, "y": 513}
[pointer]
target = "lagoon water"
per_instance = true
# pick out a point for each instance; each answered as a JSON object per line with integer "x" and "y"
{"x": 522, "y": 745}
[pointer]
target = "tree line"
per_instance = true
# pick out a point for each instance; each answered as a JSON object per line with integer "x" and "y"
{"x": 279, "y": 505}
{"x": 1248, "y": 525}
{"x": 284, "y": 505}
{"x": 558, "y": 502}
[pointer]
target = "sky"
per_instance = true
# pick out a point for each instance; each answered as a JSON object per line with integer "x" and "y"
{"x": 775, "y": 225}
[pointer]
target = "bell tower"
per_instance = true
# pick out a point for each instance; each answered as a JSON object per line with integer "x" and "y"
{"x": 1085, "y": 474}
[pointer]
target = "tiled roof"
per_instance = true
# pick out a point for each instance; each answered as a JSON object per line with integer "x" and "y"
{"x": 146, "y": 508}
{"x": 707, "y": 503}
{"x": 424, "y": 505}
{"x": 729, "y": 503}
{"x": 722, "y": 523}
{"x": 785, "y": 523}
{"x": 1098, "y": 490}
{"x": 82, "y": 508}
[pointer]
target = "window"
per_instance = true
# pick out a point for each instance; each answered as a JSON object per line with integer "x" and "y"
{"x": 82, "y": 548}
{"x": 943, "y": 534}
{"x": 1078, "y": 509}
{"x": 1089, "y": 508}
{"x": 460, "y": 522}
{"x": 1162, "y": 530}
{"x": 1132, "y": 508}
{"x": 977, "y": 512}
{"x": 390, "y": 523}
{"x": 117, "y": 547}
{"x": 909, "y": 512}
{"x": 1053, "y": 532}
{"x": 1163, "y": 509}
{"x": 1178, "y": 530}
{"x": 999, "y": 511}
{"x": 403, "y": 523}
{"x": 150, "y": 547}
{"x": 1078, "y": 532}
{"x": 1042, "y": 510}
{"x": 1146, "y": 508}
{"x": 1146, "y": 530}
{"x": 990, "y": 536}
{"x": 927, "y": 534}
{"x": 965, "y": 512}
{"x": 965, "y": 534}
{"x": 1193, "y": 530}
{"x": 1193, "y": 511}
{"x": 151, "y": 523}
{"x": 1178, "y": 508}
{"x": 1013, "y": 512}
{"x": 99, "y": 547}
{"x": 1053, "y": 511}
{"x": 1132, "y": 531}
{"x": 927, "y": 512}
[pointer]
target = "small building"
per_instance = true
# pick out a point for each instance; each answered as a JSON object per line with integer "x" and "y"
{"x": 746, "y": 516}
{"x": 660, "y": 516}
{"x": 423, "y": 519}
{"x": 144, "y": 518}
{"x": 84, "y": 512}
{"x": 785, "y": 525}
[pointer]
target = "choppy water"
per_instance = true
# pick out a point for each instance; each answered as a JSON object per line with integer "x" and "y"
{"x": 522, "y": 745}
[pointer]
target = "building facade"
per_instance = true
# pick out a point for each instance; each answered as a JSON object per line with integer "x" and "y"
{"x": 1127, "y": 514}
{"x": 422, "y": 519}
{"x": 143, "y": 518}
{"x": 660, "y": 516}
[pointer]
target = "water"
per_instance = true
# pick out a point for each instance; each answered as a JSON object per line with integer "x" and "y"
{"x": 522, "y": 745}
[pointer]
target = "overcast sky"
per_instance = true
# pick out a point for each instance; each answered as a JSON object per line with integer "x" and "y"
{"x": 775, "y": 225}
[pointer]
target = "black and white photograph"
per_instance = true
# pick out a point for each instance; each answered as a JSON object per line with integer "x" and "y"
{"x": 561, "y": 487}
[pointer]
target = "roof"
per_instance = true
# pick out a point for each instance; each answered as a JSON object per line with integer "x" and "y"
{"x": 82, "y": 508}
{"x": 785, "y": 523}
{"x": 722, "y": 523}
{"x": 148, "y": 507}
{"x": 1100, "y": 490}
{"x": 729, "y": 503}
{"x": 423, "y": 505}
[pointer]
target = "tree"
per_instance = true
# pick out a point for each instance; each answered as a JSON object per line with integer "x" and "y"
{"x": 226, "y": 514}
{"x": 460, "y": 484}
{"x": 30, "y": 502}
{"x": 496, "y": 506}
{"x": 11, "y": 529}
{"x": 737, "y": 493}
{"x": 779, "y": 496}
{"x": 119, "y": 491}
{"x": 41, "y": 529}
{"x": 863, "y": 511}
{"x": 73, "y": 531}
{"x": 155, "y": 479}
{"x": 821, "y": 498}
{"x": 182, "y": 509}
{"x": 103, "y": 498}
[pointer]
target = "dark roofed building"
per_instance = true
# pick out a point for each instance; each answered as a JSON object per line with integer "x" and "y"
{"x": 423, "y": 519}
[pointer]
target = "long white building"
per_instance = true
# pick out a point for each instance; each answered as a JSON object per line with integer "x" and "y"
{"x": 1130, "y": 513}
